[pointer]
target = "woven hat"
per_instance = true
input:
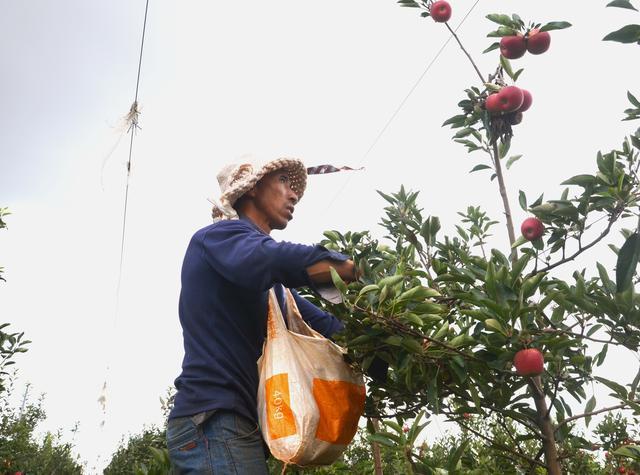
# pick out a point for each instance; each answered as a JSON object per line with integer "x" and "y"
{"x": 238, "y": 178}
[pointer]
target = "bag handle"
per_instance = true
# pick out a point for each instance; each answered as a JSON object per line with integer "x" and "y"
{"x": 275, "y": 321}
{"x": 295, "y": 320}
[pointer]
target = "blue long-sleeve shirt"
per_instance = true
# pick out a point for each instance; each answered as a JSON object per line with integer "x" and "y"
{"x": 227, "y": 272}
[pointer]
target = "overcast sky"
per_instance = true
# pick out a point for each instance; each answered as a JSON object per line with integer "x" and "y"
{"x": 315, "y": 80}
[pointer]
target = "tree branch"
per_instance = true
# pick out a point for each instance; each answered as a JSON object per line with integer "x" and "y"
{"x": 614, "y": 217}
{"x": 505, "y": 201}
{"x": 465, "y": 52}
{"x": 589, "y": 414}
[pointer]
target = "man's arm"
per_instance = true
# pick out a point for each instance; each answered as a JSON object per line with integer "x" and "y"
{"x": 320, "y": 272}
{"x": 254, "y": 260}
{"x": 322, "y": 322}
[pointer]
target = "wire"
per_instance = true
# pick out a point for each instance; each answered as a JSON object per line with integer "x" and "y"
{"x": 132, "y": 119}
{"x": 402, "y": 103}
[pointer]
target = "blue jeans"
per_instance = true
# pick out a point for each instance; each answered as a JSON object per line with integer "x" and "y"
{"x": 225, "y": 443}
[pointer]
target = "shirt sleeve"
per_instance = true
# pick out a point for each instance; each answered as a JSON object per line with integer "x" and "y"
{"x": 254, "y": 260}
{"x": 321, "y": 321}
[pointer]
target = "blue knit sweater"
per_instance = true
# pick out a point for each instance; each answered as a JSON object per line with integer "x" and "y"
{"x": 227, "y": 272}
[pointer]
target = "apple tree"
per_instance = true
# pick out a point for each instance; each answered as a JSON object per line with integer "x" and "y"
{"x": 447, "y": 324}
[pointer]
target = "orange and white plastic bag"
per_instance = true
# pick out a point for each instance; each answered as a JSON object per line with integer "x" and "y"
{"x": 309, "y": 399}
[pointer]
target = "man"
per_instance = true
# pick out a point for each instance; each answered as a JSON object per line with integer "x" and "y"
{"x": 228, "y": 270}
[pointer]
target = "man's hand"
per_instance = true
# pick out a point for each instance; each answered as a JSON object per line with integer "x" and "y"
{"x": 320, "y": 272}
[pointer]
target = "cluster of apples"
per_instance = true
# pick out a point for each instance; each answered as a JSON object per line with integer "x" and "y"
{"x": 510, "y": 100}
{"x": 440, "y": 11}
{"x": 534, "y": 41}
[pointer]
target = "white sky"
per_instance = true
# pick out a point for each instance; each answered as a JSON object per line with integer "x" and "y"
{"x": 315, "y": 80}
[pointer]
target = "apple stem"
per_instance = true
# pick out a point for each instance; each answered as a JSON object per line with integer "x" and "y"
{"x": 505, "y": 201}
{"x": 465, "y": 52}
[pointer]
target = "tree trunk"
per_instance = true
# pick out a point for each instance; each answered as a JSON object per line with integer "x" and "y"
{"x": 377, "y": 459}
{"x": 546, "y": 427}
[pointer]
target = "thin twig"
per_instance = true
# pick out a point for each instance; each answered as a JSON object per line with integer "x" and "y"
{"x": 592, "y": 413}
{"x": 614, "y": 217}
{"x": 505, "y": 201}
{"x": 465, "y": 52}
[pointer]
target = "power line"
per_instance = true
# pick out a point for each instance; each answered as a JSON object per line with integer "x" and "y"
{"x": 402, "y": 103}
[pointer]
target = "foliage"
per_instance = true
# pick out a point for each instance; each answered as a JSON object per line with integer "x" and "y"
{"x": 447, "y": 313}
{"x": 628, "y": 33}
{"x": 144, "y": 451}
{"x": 20, "y": 448}
{"x": 10, "y": 343}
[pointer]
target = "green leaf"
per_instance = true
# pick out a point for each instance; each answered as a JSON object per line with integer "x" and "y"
{"x": 383, "y": 439}
{"x": 453, "y": 460}
{"x": 522, "y": 198}
{"x": 493, "y": 47}
{"x": 390, "y": 280}
{"x": 494, "y": 325}
{"x": 503, "y": 31}
{"x": 512, "y": 160}
{"x": 626, "y": 34}
{"x": 555, "y": 25}
{"x": 519, "y": 265}
{"x": 480, "y": 167}
{"x": 411, "y": 345}
{"x": 460, "y": 118}
{"x": 591, "y": 404}
{"x": 631, "y": 451}
{"x": 604, "y": 277}
{"x": 617, "y": 388}
{"x": 633, "y": 99}
{"x": 627, "y": 262}
{"x": 501, "y": 19}
{"x": 580, "y": 180}
{"x": 337, "y": 281}
{"x": 519, "y": 242}
{"x": 517, "y": 74}
{"x": 393, "y": 340}
{"x": 368, "y": 288}
{"x": 506, "y": 64}
{"x": 622, "y": 4}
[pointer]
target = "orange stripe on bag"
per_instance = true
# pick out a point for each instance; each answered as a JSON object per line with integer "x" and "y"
{"x": 279, "y": 415}
{"x": 338, "y": 418}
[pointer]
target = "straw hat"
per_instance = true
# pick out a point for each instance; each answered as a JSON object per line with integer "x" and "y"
{"x": 238, "y": 178}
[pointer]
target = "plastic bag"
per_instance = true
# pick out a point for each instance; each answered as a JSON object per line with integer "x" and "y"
{"x": 309, "y": 399}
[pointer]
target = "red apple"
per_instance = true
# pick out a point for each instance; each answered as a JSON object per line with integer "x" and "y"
{"x": 538, "y": 42}
{"x": 513, "y": 47}
{"x": 532, "y": 229}
{"x": 511, "y": 98}
{"x": 529, "y": 362}
{"x": 440, "y": 11}
{"x": 527, "y": 100}
{"x": 492, "y": 104}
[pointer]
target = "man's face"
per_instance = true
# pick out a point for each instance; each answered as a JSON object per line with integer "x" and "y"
{"x": 274, "y": 199}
